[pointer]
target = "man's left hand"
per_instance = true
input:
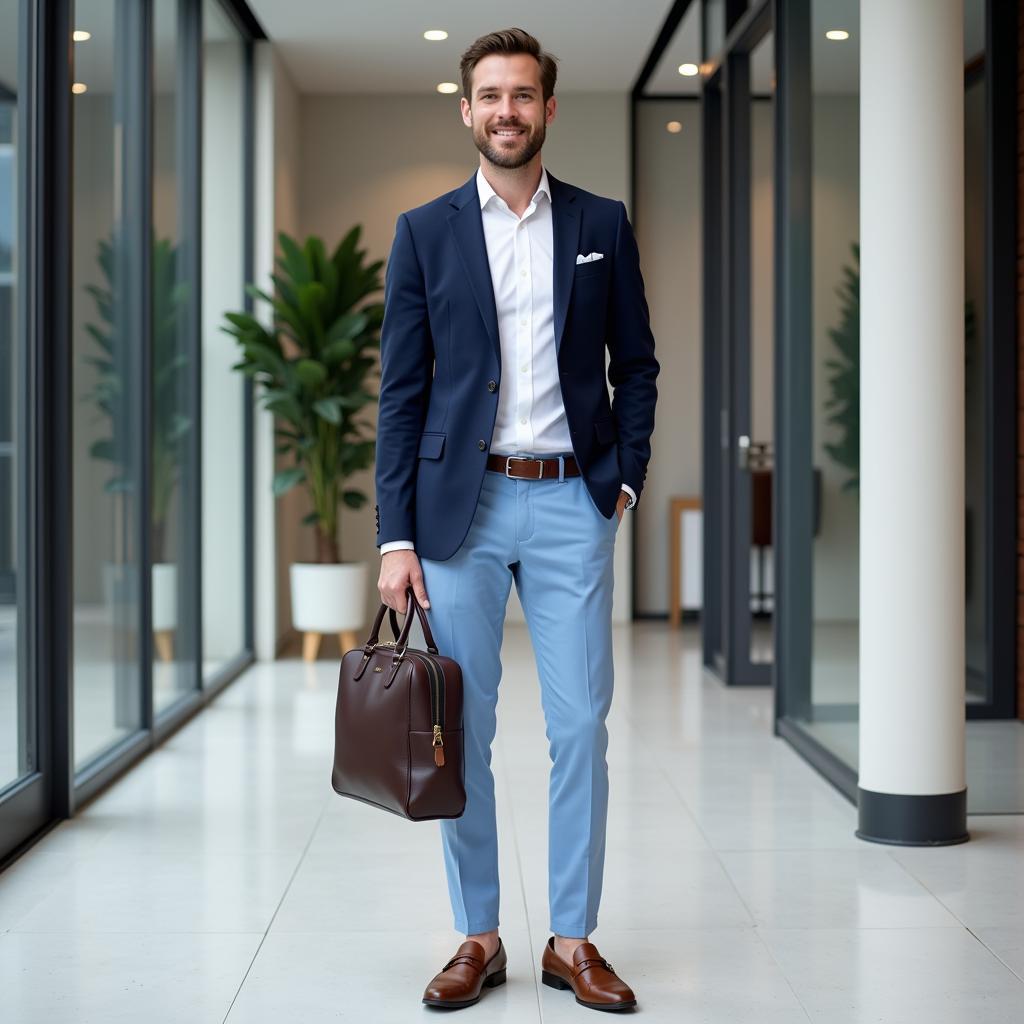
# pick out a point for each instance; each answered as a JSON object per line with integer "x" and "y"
{"x": 621, "y": 505}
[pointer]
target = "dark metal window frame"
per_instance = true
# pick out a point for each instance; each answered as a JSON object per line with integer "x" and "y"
{"x": 55, "y": 790}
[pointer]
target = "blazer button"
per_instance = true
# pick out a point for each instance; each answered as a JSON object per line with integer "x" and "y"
{"x": 481, "y": 444}
{"x": 491, "y": 385}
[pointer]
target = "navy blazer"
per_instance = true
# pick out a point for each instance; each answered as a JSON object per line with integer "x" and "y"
{"x": 441, "y": 361}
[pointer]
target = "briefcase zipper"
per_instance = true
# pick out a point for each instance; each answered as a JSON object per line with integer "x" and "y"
{"x": 435, "y": 676}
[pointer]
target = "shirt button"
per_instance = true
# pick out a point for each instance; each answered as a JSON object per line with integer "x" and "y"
{"x": 524, "y": 273}
{"x": 522, "y": 322}
{"x": 523, "y": 367}
{"x": 523, "y": 420}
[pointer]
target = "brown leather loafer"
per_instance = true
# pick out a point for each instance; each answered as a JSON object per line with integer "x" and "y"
{"x": 462, "y": 980}
{"x": 591, "y": 978}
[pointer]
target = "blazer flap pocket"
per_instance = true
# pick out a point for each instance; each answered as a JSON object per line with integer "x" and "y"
{"x": 431, "y": 445}
{"x": 606, "y": 429}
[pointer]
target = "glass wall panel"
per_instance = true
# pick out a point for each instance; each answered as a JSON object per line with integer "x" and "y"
{"x": 105, "y": 421}
{"x": 173, "y": 526}
{"x": 979, "y": 681}
{"x": 835, "y": 375}
{"x": 16, "y": 698}
{"x": 762, "y": 336}
{"x": 223, "y": 190}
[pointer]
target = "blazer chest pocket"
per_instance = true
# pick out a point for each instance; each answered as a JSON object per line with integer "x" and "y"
{"x": 431, "y": 445}
{"x": 606, "y": 429}
{"x": 591, "y": 269}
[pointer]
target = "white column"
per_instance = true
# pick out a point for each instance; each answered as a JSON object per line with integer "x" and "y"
{"x": 912, "y": 779}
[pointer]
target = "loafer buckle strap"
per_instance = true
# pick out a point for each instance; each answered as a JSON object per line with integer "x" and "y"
{"x": 591, "y": 962}
{"x": 465, "y": 958}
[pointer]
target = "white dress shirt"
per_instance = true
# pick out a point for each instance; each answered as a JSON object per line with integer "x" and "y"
{"x": 531, "y": 416}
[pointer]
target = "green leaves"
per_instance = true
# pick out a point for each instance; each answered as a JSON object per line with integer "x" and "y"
{"x": 287, "y": 479}
{"x": 313, "y": 362}
{"x": 310, "y": 373}
{"x": 111, "y": 391}
{"x": 844, "y": 377}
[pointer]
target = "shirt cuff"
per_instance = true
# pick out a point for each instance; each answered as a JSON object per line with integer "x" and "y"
{"x": 632, "y": 495}
{"x": 396, "y": 545}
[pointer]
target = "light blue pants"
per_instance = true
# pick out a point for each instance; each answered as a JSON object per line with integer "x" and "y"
{"x": 550, "y": 537}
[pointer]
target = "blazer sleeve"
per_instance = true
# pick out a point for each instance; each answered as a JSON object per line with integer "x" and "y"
{"x": 406, "y": 373}
{"x": 632, "y": 367}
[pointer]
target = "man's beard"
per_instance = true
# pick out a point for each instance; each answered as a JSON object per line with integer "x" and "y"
{"x": 510, "y": 158}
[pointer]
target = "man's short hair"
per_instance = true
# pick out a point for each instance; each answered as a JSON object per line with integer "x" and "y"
{"x": 508, "y": 41}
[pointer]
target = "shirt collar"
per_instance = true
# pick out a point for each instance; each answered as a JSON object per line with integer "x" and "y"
{"x": 484, "y": 190}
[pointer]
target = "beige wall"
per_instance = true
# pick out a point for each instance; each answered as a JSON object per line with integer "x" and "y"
{"x": 365, "y": 159}
{"x": 668, "y": 227}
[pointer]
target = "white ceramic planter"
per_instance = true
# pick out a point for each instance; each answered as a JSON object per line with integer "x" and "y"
{"x": 120, "y": 586}
{"x": 165, "y": 596}
{"x": 328, "y": 598}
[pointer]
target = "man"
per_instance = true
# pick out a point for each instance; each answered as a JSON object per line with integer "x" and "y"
{"x": 500, "y": 458}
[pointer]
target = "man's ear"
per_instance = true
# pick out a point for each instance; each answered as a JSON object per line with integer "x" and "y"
{"x": 551, "y": 106}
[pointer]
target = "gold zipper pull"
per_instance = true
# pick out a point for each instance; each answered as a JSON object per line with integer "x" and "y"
{"x": 438, "y": 746}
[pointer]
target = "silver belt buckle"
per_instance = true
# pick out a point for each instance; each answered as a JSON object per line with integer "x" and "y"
{"x": 522, "y": 458}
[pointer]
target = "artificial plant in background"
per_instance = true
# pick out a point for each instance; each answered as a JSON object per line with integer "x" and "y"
{"x": 112, "y": 392}
{"x": 844, "y": 381}
{"x": 314, "y": 362}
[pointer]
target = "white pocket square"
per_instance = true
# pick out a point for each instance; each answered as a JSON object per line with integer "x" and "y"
{"x": 589, "y": 259}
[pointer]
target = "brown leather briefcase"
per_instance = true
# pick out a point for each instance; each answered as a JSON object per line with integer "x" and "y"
{"x": 398, "y": 740}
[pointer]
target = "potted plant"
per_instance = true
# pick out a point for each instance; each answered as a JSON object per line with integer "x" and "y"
{"x": 314, "y": 362}
{"x": 169, "y": 425}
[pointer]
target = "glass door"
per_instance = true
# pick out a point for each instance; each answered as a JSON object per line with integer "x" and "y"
{"x": 739, "y": 355}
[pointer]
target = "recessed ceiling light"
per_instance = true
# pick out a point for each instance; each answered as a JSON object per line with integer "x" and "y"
{"x": 837, "y": 33}
{"x": 78, "y": 88}
{"x": 435, "y": 33}
{"x": 689, "y": 70}
{"x": 80, "y": 35}
{"x": 447, "y": 87}
{"x": 675, "y": 127}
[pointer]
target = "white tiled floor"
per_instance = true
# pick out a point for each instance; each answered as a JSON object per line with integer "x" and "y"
{"x": 222, "y": 879}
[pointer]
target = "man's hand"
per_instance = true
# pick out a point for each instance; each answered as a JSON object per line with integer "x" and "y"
{"x": 398, "y": 571}
{"x": 620, "y": 506}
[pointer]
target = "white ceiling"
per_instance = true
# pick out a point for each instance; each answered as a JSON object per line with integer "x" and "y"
{"x": 354, "y": 46}
{"x": 378, "y": 47}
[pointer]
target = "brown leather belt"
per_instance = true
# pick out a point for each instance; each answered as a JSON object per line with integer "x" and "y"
{"x": 523, "y": 468}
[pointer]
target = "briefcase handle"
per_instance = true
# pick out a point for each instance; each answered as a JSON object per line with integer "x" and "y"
{"x": 402, "y": 636}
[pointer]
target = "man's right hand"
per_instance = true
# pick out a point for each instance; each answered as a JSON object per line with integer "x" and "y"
{"x": 400, "y": 570}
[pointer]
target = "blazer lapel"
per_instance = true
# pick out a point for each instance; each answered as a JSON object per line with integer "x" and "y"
{"x": 565, "y": 222}
{"x": 468, "y": 230}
